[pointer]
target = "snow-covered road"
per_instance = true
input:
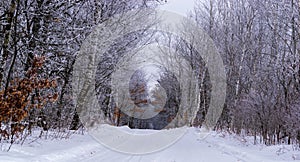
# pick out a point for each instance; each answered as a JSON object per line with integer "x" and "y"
{"x": 217, "y": 147}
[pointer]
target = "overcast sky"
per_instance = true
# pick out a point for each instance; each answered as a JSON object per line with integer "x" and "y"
{"x": 182, "y": 7}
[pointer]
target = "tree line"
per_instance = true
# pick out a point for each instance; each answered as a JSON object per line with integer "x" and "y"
{"x": 260, "y": 45}
{"x": 40, "y": 40}
{"x": 258, "y": 41}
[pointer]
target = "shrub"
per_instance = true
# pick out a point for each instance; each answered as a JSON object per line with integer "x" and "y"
{"x": 17, "y": 99}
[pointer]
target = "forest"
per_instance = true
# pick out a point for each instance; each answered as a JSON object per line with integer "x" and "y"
{"x": 258, "y": 41}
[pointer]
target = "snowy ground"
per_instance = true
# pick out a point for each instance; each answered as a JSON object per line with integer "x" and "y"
{"x": 217, "y": 147}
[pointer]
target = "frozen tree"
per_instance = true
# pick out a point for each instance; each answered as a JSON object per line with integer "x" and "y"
{"x": 56, "y": 30}
{"x": 259, "y": 44}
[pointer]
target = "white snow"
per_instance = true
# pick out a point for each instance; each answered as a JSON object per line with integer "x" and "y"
{"x": 217, "y": 147}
